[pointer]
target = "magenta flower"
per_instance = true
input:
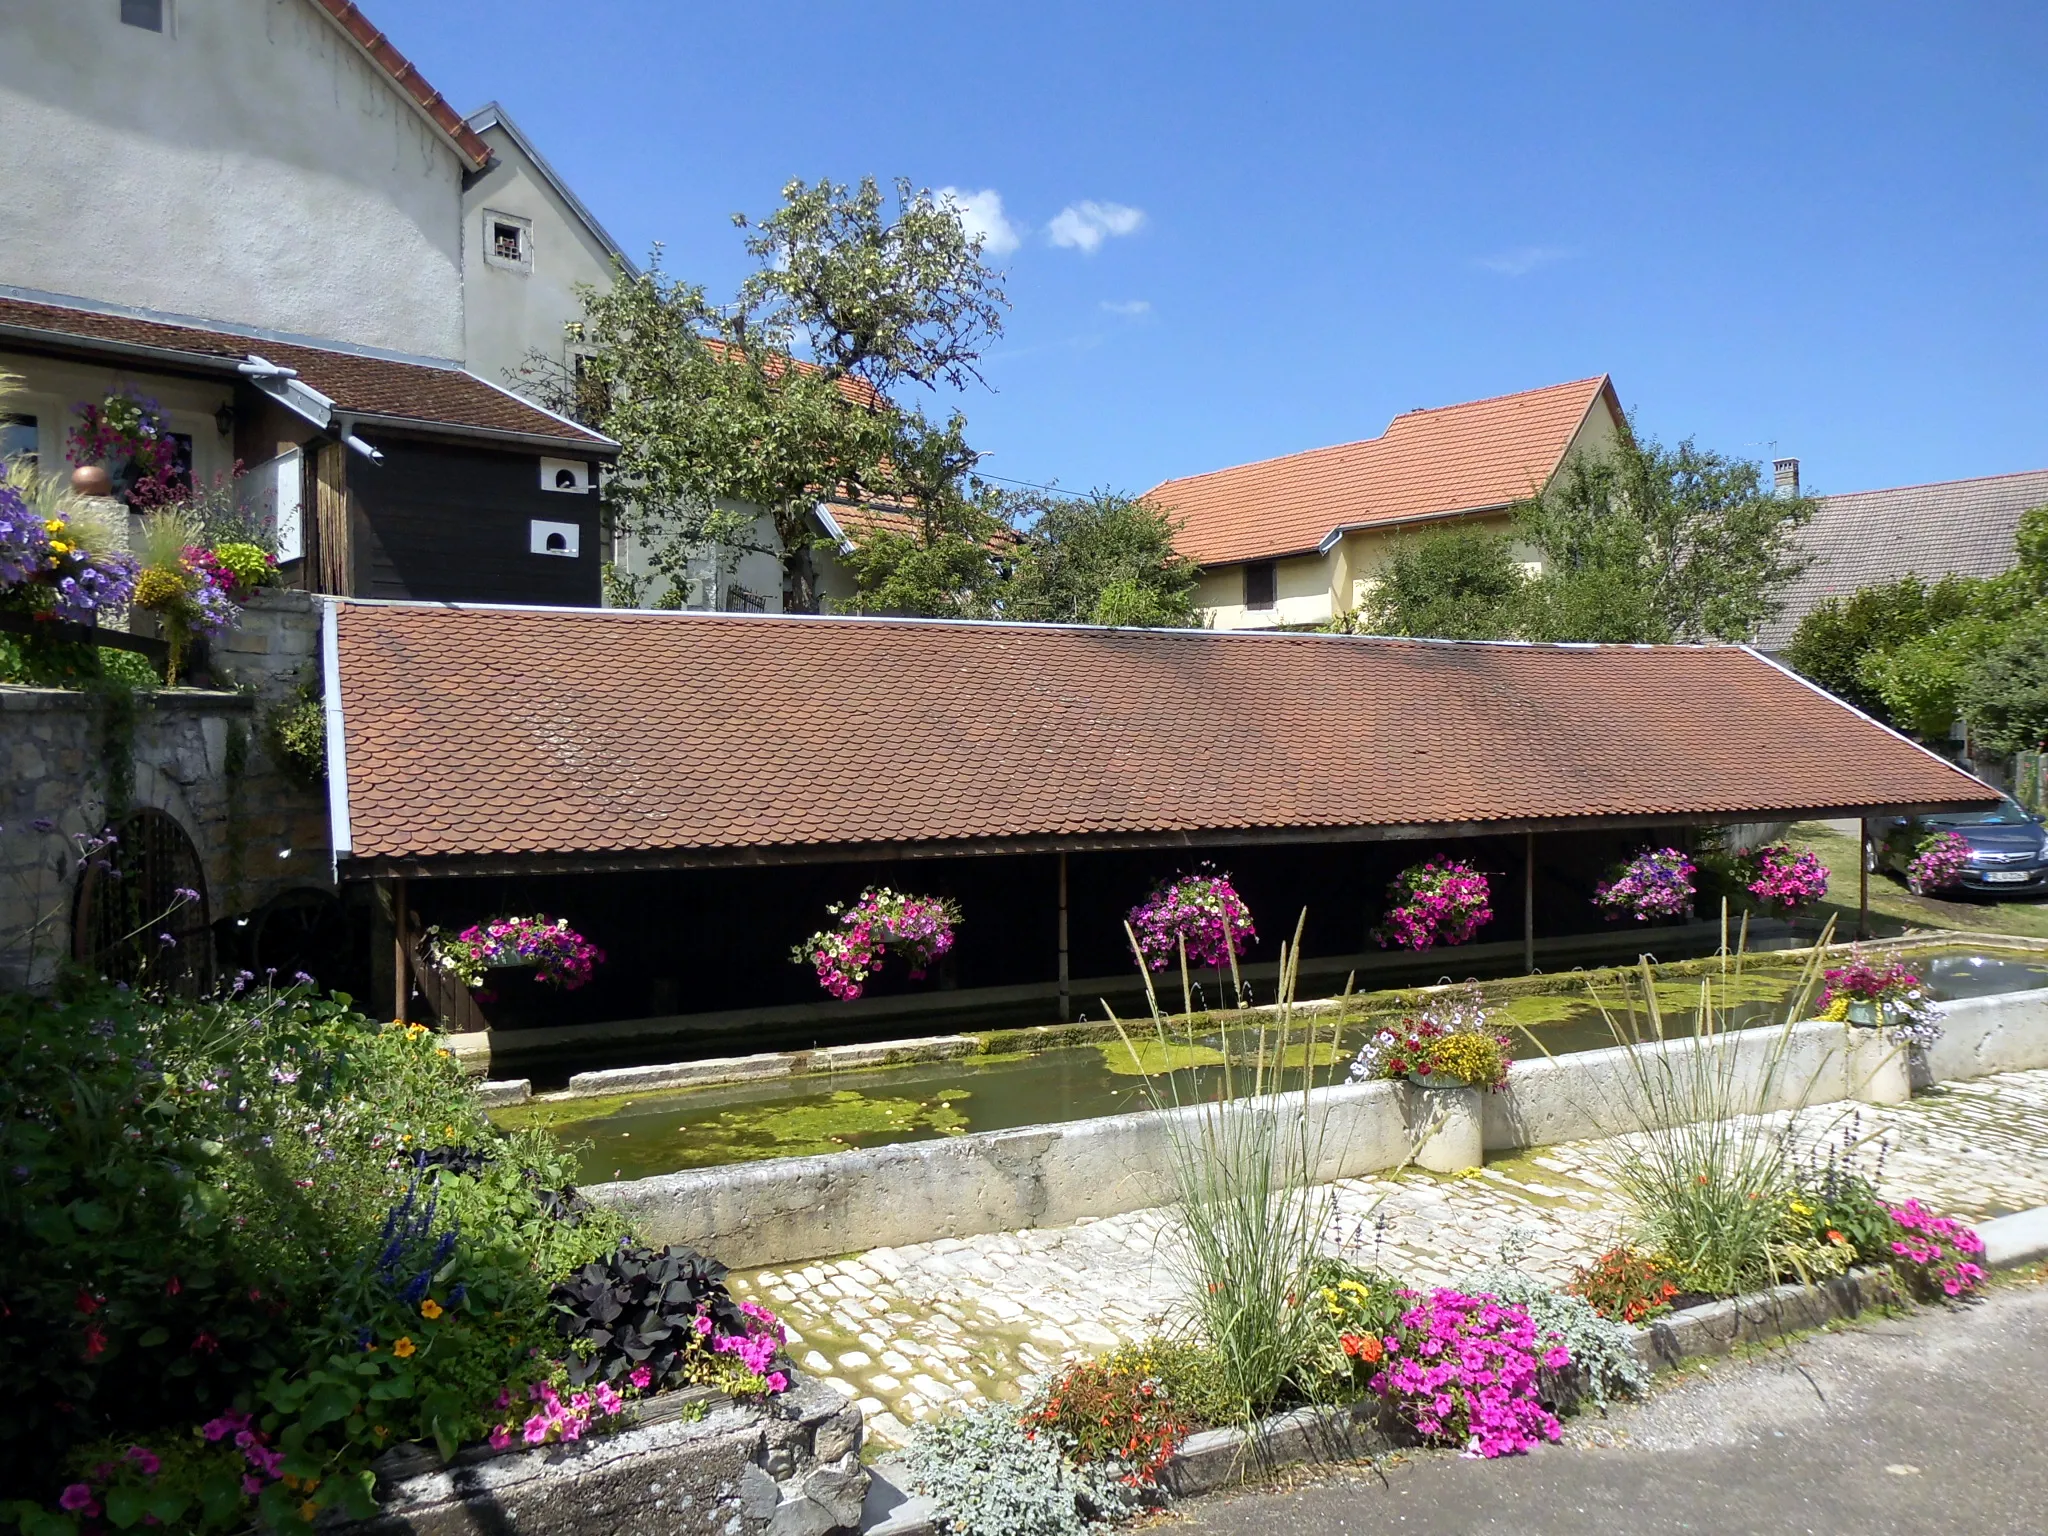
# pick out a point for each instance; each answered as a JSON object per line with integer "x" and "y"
{"x": 1436, "y": 903}
{"x": 78, "y": 1499}
{"x": 1201, "y": 911}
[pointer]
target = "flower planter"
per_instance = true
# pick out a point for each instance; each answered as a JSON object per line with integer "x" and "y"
{"x": 1448, "y": 1126}
{"x": 1865, "y": 1013}
{"x": 790, "y": 1466}
{"x": 1879, "y": 1069}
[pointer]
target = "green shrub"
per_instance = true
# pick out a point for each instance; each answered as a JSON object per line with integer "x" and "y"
{"x": 296, "y": 735}
{"x": 989, "y": 1476}
{"x": 263, "y": 1206}
{"x": 1130, "y": 1410}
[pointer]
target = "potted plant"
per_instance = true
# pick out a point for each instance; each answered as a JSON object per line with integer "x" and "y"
{"x": 1780, "y": 878}
{"x": 557, "y": 954}
{"x": 1938, "y": 862}
{"x": 1201, "y": 911}
{"x": 1449, "y": 1045}
{"x": 1657, "y": 882}
{"x": 1872, "y": 996}
{"x": 1440, "y": 901}
{"x": 845, "y": 955}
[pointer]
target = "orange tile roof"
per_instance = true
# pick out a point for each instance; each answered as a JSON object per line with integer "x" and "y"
{"x": 418, "y": 393}
{"x": 477, "y": 734}
{"x": 471, "y": 144}
{"x": 1428, "y": 463}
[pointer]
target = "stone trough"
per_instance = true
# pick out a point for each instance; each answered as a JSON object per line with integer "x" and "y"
{"x": 776, "y": 1212}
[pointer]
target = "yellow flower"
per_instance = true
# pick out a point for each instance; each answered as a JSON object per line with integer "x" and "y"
{"x": 53, "y": 525}
{"x": 403, "y": 1348}
{"x": 430, "y": 1309}
{"x": 308, "y": 1510}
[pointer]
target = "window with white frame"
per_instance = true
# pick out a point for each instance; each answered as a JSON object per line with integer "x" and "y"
{"x": 508, "y": 241}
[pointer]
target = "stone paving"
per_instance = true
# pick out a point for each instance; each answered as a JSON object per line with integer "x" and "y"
{"x": 909, "y": 1330}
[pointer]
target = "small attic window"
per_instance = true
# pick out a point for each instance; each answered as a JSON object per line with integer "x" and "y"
{"x": 1260, "y": 585}
{"x": 508, "y": 241}
{"x": 146, "y": 14}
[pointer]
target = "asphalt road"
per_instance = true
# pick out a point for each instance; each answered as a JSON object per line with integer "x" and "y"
{"x": 1934, "y": 1422}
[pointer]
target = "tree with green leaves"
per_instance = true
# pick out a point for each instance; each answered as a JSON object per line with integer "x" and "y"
{"x": 2004, "y": 696}
{"x": 1834, "y": 641}
{"x": 789, "y": 395}
{"x": 1457, "y": 583}
{"x": 1103, "y": 558}
{"x": 1648, "y": 544}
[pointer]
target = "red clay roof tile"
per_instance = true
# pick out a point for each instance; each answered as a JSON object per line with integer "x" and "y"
{"x": 371, "y": 386}
{"x": 1453, "y": 458}
{"x": 480, "y": 732}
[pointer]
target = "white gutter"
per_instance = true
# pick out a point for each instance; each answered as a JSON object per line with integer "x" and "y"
{"x": 833, "y": 530}
{"x": 304, "y": 401}
{"x": 337, "y": 741}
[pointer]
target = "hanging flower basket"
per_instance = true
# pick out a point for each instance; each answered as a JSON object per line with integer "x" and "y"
{"x": 557, "y": 954}
{"x": 1202, "y": 911}
{"x": 1938, "y": 863}
{"x": 846, "y": 955}
{"x": 1656, "y": 883}
{"x": 1783, "y": 880}
{"x": 1443, "y": 901}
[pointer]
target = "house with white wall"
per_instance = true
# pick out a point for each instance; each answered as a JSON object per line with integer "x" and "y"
{"x": 1293, "y": 542}
{"x": 259, "y": 215}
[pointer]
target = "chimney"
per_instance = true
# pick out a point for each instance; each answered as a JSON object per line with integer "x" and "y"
{"x": 1787, "y": 471}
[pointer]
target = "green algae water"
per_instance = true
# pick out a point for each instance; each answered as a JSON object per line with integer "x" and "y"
{"x": 632, "y": 1136}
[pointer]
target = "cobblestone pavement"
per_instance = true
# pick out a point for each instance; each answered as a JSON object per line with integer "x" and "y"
{"x": 908, "y": 1330}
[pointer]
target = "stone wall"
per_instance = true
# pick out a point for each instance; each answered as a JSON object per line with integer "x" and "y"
{"x": 788, "y": 1468}
{"x": 77, "y": 762}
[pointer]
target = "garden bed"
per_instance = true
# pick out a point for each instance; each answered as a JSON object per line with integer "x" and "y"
{"x": 791, "y": 1467}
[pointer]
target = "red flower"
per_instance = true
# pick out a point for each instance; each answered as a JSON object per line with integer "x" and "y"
{"x": 173, "y": 1285}
{"x": 204, "y": 1343}
{"x": 87, "y": 1302}
{"x": 95, "y": 1341}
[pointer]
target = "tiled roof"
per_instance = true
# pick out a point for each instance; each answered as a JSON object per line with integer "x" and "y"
{"x": 358, "y": 384}
{"x": 507, "y": 732}
{"x": 1454, "y": 458}
{"x": 351, "y": 20}
{"x": 1956, "y": 527}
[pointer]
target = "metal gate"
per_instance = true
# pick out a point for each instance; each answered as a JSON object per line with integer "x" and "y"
{"x": 142, "y": 914}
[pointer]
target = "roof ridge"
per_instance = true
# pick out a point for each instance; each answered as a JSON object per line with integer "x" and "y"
{"x": 1513, "y": 394}
{"x": 1380, "y": 437}
{"x": 1932, "y": 485}
{"x": 405, "y": 75}
{"x": 911, "y": 621}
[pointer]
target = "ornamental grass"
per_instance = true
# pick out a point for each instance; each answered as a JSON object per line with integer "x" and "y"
{"x": 1706, "y": 1165}
{"x": 1244, "y": 1169}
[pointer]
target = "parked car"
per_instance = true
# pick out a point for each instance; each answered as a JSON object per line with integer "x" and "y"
{"x": 2008, "y": 847}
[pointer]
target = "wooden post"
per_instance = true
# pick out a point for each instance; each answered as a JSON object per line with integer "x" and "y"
{"x": 401, "y": 966}
{"x": 1863, "y": 883}
{"x": 1529, "y": 904}
{"x": 1066, "y": 999}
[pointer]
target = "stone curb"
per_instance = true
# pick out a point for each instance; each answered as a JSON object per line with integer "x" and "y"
{"x": 1218, "y": 1458}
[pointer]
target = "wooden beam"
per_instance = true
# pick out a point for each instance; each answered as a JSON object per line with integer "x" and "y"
{"x": 1863, "y": 882}
{"x": 1066, "y": 994}
{"x": 567, "y": 862}
{"x": 401, "y": 960}
{"x": 1529, "y": 903}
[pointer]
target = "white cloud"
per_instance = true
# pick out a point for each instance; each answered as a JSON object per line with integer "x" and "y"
{"x": 981, "y": 213}
{"x": 1084, "y": 226}
{"x": 1128, "y": 307}
{"x": 1522, "y": 260}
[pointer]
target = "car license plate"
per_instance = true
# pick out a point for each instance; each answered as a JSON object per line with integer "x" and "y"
{"x": 2008, "y": 876}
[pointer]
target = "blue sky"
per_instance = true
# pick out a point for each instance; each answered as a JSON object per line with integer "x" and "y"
{"x": 1818, "y": 230}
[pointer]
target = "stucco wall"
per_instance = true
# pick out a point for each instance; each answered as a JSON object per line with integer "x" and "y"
{"x": 511, "y": 310}
{"x": 248, "y": 165}
{"x": 1301, "y": 589}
